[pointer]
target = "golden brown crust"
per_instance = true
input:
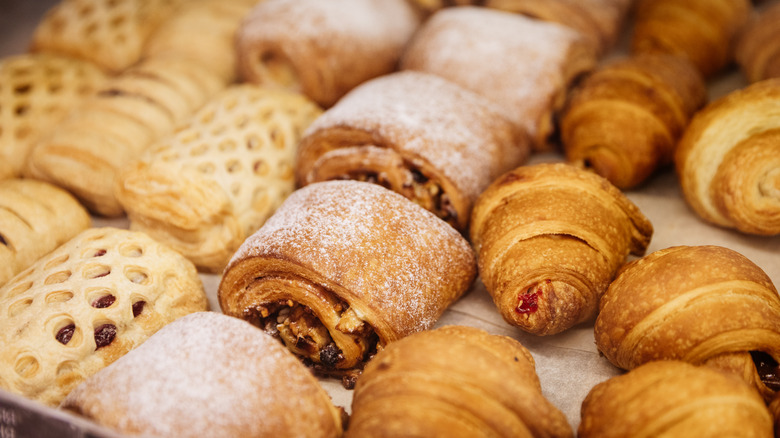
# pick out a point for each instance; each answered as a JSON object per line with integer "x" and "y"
{"x": 549, "y": 239}
{"x": 624, "y": 120}
{"x": 671, "y": 398}
{"x": 774, "y": 407}
{"x": 758, "y": 47}
{"x": 454, "y": 381}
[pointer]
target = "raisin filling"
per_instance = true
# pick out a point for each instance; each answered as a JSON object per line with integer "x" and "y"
{"x": 65, "y": 334}
{"x": 104, "y": 335}
{"x": 768, "y": 369}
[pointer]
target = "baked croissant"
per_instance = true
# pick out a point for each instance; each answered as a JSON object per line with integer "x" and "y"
{"x": 417, "y": 134}
{"x": 728, "y": 160}
{"x": 342, "y": 269}
{"x": 703, "y": 31}
{"x": 654, "y": 310}
{"x": 334, "y": 46}
{"x": 673, "y": 399}
{"x": 208, "y": 187}
{"x": 624, "y": 120}
{"x": 774, "y": 407}
{"x": 523, "y": 65}
{"x": 758, "y": 47}
{"x": 177, "y": 384}
{"x": 549, "y": 238}
{"x": 454, "y": 381}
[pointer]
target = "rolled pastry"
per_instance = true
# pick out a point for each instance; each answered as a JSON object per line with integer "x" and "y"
{"x": 110, "y": 34}
{"x": 774, "y": 407}
{"x": 673, "y": 399}
{"x": 85, "y": 152}
{"x": 454, "y": 381}
{"x": 417, "y": 134}
{"x": 549, "y": 238}
{"x": 35, "y": 218}
{"x": 323, "y": 49}
{"x": 87, "y": 303}
{"x": 523, "y": 65}
{"x": 703, "y": 31}
{"x": 758, "y": 47}
{"x": 342, "y": 269}
{"x": 653, "y": 310}
{"x": 624, "y": 120}
{"x": 36, "y": 93}
{"x": 208, "y": 187}
{"x": 728, "y": 160}
{"x": 175, "y": 385}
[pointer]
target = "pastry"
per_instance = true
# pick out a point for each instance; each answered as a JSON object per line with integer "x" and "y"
{"x": 268, "y": 392}
{"x": 342, "y": 269}
{"x": 549, "y": 238}
{"x": 110, "y": 34}
{"x": 523, "y": 65}
{"x": 728, "y": 160}
{"x": 87, "y": 303}
{"x": 205, "y": 189}
{"x": 673, "y": 399}
{"x": 623, "y": 121}
{"x": 36, "y": 93}
{"x": 85, "y": 152}
{"x": 417, "y": 134}
{"x": 774, "y": 407}
{"x": 702, "y": 31}
{"x": 453, "y": 381}
{"x": 334, "y": 45}
{"x": 653, "y": 310}
{"x": 35, "y": 218}
{"x": 758, "y": 47}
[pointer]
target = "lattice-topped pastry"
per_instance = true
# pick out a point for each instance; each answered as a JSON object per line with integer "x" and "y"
{"x": 87, "y": 303}
{"x": 213, "y": 183}
{"x": 36, "y": 92}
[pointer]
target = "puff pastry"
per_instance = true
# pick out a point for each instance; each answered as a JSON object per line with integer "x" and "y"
{"x": 623, "y": 121}
{"x": 35, "y": 218}
{"x": 269, "y": 392}
{"x": 336, "y": 44}
{"x": 728, "y": 160}
{"x": 87, "y": 303}
{"x": 36, "y": 93}
{"x": 417, "y": 134}
{"x": 774, "y": 407}
{"x": 342, "y": 269}
{"x": 758, "y": 47}
{"x": 523, "y": 65}
{"x": 653, "y": 310}
{"x": 549, "y": 238}
{"x": 703, "y": 31}
{"x": 673, "y": 399}
{"x": 454, "y": 381}
{"x": 204, "y": 190}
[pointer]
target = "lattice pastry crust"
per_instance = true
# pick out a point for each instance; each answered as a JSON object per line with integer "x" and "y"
{"x": 213, "y": 183}
{"x": 87, "y": 303}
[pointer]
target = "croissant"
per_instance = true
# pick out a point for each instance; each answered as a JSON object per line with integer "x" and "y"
{"x": 728, "y": 160}
{"x": 702, "y": 31}
{"x": 342, "y": 269}
{"x": 673, "y": 399}
{"x": 758, "y": 47}
{"x": 549, "y": 238}
{"x": 205, "y": 189}
{"x": 653, "y": 310}
{"x": 523, "y": 65}
{"x": 774, "y": 407}
{"x": 454, "y": 381}
{"x": 268, "y": 392}
{"x": 417, "y": 134}
{"x": 623, "y": 121}
{"x": 335, "y": 45}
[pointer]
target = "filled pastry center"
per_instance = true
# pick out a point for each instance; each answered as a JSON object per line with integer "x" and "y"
{"x": 768, "y": 369}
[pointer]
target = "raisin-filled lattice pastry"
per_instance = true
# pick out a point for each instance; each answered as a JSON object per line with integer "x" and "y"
{"x": 700, "y": 304}
{"x": 208, "y": 374}
{"x": 204, "y": 190}
{"x": 549, "y": 239}
{"x": 454, "y": 381}
{"x": 87, "y": 303}
{"x": 35, "y": 218}
{"x": 342, "y": 269}
{"x": 758, "y": 46}
{"x": 417, "y": 134}
{"x": 674, "y": 399}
